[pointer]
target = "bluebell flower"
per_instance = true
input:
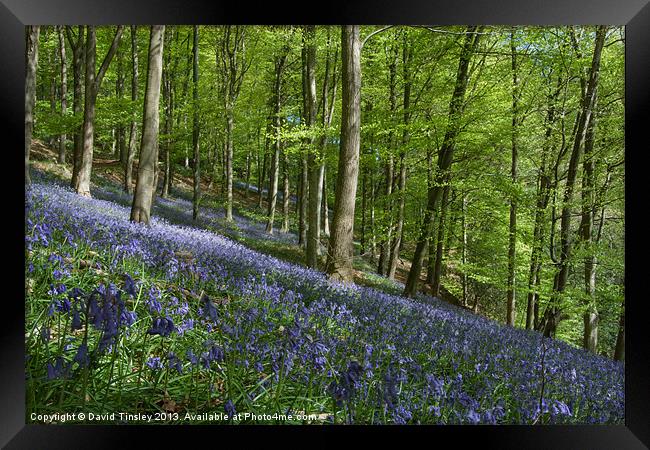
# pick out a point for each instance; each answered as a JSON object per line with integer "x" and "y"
{"x": 154, "y": 363}
{"x": 82, "y": 357}
{"x": 129, "y": 285}
{"x": 162, "y": 326}
{"x": 229, "y": 407}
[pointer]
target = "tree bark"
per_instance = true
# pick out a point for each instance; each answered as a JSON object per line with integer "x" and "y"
{"x": 437, "y": 268}
{"x": 31, "y": 64}
{"x": 77, "y": 74}
{"x": 275, "y": 159}
{"x": 119, "y": 92}
{"x": 324, "y": 205}
{"x": 619, "y": 350}
{"x": 128, "y": 171}
{"x": 142, "y": 199}
{"x": 93, "y": 83}
{"x": 195, "y": 126}
{"x": 285, "y": 194}
{"x": 340, "y": 254}
{"x": 314, "y": 155}
{"x": 445, "y": 155}
{"x": 64, "y": 91}
{"x": 590, "y": 316}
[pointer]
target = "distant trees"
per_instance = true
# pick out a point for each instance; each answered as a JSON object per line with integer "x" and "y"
{"x": 144, "y": 188}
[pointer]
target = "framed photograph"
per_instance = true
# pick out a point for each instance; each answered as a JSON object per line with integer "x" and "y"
{"x": 400, "y": 221}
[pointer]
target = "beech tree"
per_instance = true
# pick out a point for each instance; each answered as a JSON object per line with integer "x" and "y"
{"x": 144, "y": 188}
{"x": 340, "y": 252}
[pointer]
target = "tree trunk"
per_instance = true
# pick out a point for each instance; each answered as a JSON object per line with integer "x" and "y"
{"x": 619, "y": 350}
{"x": 77, "y": 74}
{"x": 325, "y": 207}
{"x": 397, "y": 240}
{"x": 141, "y": 208}
{"x": 93, "y": 83}
{"x": 285, "y": 193}
{"x": 229, "y": 154}
{"x": 445, "y": 155}
{"x": 364, "y": 183}
{"x": 511, "y": 312}
{"x": 407, "y": 53}
{"x": 304, "y": 198}
{"x": 31, "y": 63}
{"x": 340, "y": 254}
{"x": 64, "y": 91}
{"x": 590, "y": 317}
{"x": 128, "y": 171}
{"x": 260, "y": 181}
{"x": 119, "y": 92}
{"x": 195, "y": 127}
{"x": 463, "y": 257}
{"x": 437, "y": 272}
{"x": 275, "y": 159}
{"x": 314, "y": 155}
{"x": 168, "y": 76}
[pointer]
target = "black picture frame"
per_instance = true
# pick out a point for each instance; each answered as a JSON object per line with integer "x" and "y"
{"x": 634, "y": 14}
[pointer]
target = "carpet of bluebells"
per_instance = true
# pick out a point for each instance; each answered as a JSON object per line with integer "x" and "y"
{"x": 174, "y": 317}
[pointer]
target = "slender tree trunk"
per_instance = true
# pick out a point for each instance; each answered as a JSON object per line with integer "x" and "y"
{"x": 195, "y": 128}
{"x": 325, "y": 207}
{"x": 437, "y": 272}
{"x": 445, "y": 155}
{"x": 340, "y": 254}
{"x": 314, "y": 155}
{"x": 304, "y": 198}
{"x": 397, "y": 240}
{"x": 511, "y": 312}
{"x": 619, "y": 350}
{"x": 93, "y": 83}
{"x": 275, "y": 159}
{"x": 31, "y": 63}
{"x": 141, "y": 208}
{"x": 260, "y": 181}
{"x": 590, "y": 316}
{"x": 128, "y": 175}
{"x": 119, "y": 92}
{"x": 285, "y": 193}
{"x": 168, "y": 94}
{"x": 363, "y": 211}
{"x": 463, "y": 257}
{"x": 229, "y": 154}
{"x": 64, "y": 91}
{"x": 77, "y": 74}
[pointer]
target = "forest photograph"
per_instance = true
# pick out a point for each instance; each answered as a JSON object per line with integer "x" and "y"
{"x": 325, "y": 225}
